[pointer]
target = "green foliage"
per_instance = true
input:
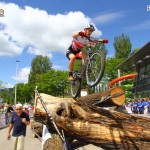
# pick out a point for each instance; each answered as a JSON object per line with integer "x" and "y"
{"x": 6, "y": 95}
{"x": 122, "y": 46}
{"x": 111, "y": 67}
{"x": 40, "y": 64}
{"x": 128, "y": 90}
{"x": 134, "y": 50}
{"x": 24, "y": 93}
{"x": 102, "y": 48}
{"x": 54, "y": 82}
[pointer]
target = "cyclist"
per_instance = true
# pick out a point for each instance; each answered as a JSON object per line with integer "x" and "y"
{"x": 75, "y": 49}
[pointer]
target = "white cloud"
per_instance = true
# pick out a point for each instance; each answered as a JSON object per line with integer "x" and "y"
{"x": 7, "y": 85}
{"x": 139, "y": 27}
{"x": 22, "y": 75}
{"x": 8, "y": 47}
{"x": 108, "y": 17}
{"x": 40, "y": 32}
{"x": 57, "y": 67}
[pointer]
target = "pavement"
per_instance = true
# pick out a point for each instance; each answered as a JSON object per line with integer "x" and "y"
{"x": 35, "y": 144}
{"x": 30, "y": 142}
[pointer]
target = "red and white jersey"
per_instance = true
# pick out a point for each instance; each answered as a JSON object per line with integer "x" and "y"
{"x": 79, "y": 42}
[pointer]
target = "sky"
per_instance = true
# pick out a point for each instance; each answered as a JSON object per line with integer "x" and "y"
{"x": 45, "y": 27}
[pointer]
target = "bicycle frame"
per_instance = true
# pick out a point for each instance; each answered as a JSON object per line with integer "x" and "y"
{"x": 83, "y": 67}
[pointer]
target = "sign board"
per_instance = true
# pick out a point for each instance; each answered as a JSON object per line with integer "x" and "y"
{"x": 84, "y": 93}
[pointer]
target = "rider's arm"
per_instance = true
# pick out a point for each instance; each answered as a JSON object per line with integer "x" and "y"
{"x": 76, "y": 34}
{"x": 81, "y": 33}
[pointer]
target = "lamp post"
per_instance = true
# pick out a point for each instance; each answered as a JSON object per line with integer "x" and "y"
{"x": 17, "y": 61}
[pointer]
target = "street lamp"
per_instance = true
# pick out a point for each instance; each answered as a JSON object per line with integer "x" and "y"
{"x": 17, "y": 61}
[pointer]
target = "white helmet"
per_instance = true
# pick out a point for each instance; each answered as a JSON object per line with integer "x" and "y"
{"x": 90, "y": 26}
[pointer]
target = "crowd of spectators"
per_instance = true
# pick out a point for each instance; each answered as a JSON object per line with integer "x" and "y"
{"x": 140, "y": 106}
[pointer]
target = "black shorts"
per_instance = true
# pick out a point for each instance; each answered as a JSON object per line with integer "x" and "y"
{"x": 71, "y": 51}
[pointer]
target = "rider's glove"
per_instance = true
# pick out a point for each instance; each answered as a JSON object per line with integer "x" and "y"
{"x": 82, "y": 34}
{"x": 105, "y": 41}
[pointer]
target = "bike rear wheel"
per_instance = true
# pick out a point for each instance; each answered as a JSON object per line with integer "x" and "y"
{"x": 95, "y": 68}
{"x": 75, "y": 86}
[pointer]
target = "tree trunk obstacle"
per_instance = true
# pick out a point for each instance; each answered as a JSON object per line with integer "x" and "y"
{"x": 85, "y": 119}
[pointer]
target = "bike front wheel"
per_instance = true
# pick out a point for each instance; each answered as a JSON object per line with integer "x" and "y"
{"x": 95, "y": 68}
{"x": 75, "y": 86}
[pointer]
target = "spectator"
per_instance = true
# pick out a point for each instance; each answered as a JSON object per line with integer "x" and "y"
{"x": 18, "y": 122}
{"x": 134, "y": 107}
{"x": 145, "y": 104}
{"x": 148, "y": 107}
{"x": 9, "y": 111}
{"x": 140, "y": 106}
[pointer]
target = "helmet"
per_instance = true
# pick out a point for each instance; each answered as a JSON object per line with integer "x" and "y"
{"x": 90, "y": 26}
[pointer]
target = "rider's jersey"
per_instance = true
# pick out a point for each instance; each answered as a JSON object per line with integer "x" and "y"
{"x": 79, "y": 42}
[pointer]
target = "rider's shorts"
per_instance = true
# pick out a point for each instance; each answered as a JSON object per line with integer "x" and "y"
{"x": 71, "y": 51}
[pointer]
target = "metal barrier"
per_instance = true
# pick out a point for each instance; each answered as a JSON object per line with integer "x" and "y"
{"x": 3, "y": 120}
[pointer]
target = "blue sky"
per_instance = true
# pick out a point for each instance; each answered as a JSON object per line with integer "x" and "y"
{"x": 33, "y": 27}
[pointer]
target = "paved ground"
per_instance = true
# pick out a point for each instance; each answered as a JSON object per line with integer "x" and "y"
{"x": 30, "y": 142}
{"x": 35, "y": 144}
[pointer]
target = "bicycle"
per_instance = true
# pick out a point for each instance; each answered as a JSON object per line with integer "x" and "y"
{"x": 93, "y": 69}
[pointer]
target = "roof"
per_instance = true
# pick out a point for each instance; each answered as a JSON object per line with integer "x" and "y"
{"x": 137, "y": 57}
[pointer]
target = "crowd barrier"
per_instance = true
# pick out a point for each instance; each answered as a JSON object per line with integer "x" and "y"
{"x": 4, "y": 118}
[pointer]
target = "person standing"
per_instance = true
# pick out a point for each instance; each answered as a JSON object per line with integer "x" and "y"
{"x": 9, "y": 111}
{"x": 18, "y": 123}
{"x": 134, "y": 107}
{"x": 140, "y": 106}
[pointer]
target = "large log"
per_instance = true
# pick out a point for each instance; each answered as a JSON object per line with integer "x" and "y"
{"x": 84, "y": 121}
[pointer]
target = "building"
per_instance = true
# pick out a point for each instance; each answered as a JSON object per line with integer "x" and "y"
{"x": 139, "y": 62}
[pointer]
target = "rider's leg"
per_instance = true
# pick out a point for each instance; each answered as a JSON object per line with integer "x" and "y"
{"x": 72, "y": 59}
{"x": 82, "y": 55}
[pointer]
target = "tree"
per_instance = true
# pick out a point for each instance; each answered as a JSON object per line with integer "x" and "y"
{"x": 102, "y": 48}
{"x": 134, "y": 50}
{"x": 122, "y": 46}
{"x": 24, "y": 93}
{"x": 111, "y": 67}
{"x": 6, "y": 96}
{"x": 40, "y": 65}
{"x": 54, "y": 82}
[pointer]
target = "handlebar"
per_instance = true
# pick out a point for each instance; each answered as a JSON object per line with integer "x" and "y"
{"x": 100, "y": 41}
{"x": 103, "y": 40}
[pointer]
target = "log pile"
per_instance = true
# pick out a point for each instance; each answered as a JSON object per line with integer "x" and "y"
{"x": 84, "y": 119}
